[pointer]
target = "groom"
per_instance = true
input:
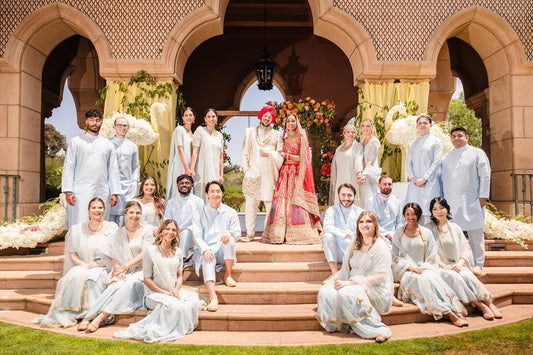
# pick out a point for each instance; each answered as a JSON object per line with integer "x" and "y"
{"x": 261, "y": 163}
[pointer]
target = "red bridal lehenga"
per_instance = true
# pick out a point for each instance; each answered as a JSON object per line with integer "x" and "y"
{"x": 294, "y": 217}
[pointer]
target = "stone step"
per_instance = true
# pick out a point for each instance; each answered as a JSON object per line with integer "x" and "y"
{"x": 273, "y": 272}
{"x": 507, "y": 275}
{"x": 32, "y": 263}
{"x": 508, "y": 258}
{"x": 507, "y": 245}
{"x": 265, "y": 317}
{"x": 39, "y": 279}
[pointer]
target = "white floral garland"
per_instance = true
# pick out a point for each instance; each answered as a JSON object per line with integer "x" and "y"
{"x": 23, "y": 235}
{"x": 508, "y": 229}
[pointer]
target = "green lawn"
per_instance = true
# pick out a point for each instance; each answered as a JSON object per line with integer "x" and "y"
{"x": 510, "y": 339}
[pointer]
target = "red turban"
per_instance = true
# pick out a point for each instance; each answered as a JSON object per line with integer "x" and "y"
{"x": 270, "y": 109}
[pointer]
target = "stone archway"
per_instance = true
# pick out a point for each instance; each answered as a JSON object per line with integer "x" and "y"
{"x": 502, "y": 55}
{"x": 27, "y": 50}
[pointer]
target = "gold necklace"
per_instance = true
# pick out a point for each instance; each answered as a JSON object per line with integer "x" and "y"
{"x": 97, "y": 229}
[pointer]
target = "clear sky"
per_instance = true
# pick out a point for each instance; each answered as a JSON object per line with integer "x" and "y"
{"x": 64, "y": 117}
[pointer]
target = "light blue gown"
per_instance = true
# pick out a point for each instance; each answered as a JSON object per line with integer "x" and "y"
{"x": 90, "y": 170}
{"x": 371, "y": 172}
{"x": 123, "y": 296}
{"x": 427, "y": 291}
{"x": 79, "y": 287}
{"x": 208, "y": 163}
{"x": 359, "y": 306}
{"x": 423, "y": 159}
{"x": 180, "y": 138}
{"x": 170, "y": 318}
{"x": 453, "y": 247}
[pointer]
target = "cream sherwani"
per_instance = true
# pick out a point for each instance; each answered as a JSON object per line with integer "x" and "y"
{"x": 466, "y": 179}
{"x": 260, "y": 173}
{"x": 90, "y": 170}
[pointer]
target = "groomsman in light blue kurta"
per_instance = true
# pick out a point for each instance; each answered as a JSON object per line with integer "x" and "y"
{"x": 340, "y": 225}
{"x": 466, "y": 187}
{"x": 128, "y": 167}
{"x": 387, "y": 207}
{"x": 216, "y": 229}
{"x": 90, "y": 170}
{"x": 182, "y": 208}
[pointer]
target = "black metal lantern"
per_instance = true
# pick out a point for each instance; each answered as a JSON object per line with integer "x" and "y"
{"x": 264, "y": 68}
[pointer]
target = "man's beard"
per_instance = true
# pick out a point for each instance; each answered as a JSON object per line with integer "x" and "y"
{"x": 343, "y": 204}
{"x": 386, "y": 192}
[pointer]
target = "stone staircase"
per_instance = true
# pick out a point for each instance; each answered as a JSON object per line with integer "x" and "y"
{"x": 277, "y": 288}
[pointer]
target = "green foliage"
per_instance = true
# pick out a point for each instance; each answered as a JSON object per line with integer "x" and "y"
{"x": 181, "y": 104}
{"x": 54, "y": 141}
{"x": 232, "y": 169}
{"x": 148, "y": 90}
{"x": 460, "y": 115}
{"x": 509, "y": 339}
{"x": 53, "y": 171}
{"x": 234, "y": 197}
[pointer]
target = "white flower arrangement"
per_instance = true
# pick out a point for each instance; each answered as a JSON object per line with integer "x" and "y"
{"x": 508, "y": 229}
{"x": 402, "y": 131}
{"x": 141, "y": 132}
{"x": 21, "y": 234}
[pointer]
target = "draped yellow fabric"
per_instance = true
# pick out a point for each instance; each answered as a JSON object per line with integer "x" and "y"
{"x": 377, "y": 96}
{"x": 158, "y": 153}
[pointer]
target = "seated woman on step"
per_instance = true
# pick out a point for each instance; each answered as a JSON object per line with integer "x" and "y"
{"x": 455, "y": 260}
{"x": 173, "y": 309}
{"x": 124, "y": 292}
{"x": 415, "y": 267}
{"x": 363, "y": 288}
{"x": 85, "y": 268}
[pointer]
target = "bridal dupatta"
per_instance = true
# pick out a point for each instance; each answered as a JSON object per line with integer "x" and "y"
{"x": 294, "y": 217}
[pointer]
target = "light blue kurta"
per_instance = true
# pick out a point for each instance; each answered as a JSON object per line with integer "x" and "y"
{"x": 372, "y": 172}
{"x": 90, "y": 170}
{"x": 180, "y": 138}
{"x": 208, "y": 225}
{"x": 170, "y": 318}
{"x": 182, "y": 209}
{"x": 208, "y": 163}
{"x": 79, "y": 287}
{"x": 465, "y": 179}
{"x": 452, "y": 247}
{"x": 423, "y": 159}
{"x": 123, "y": 296}
{"x": 338, "y": 223}
{"x": 129, "y": 169}
{"x": 344, "y": 168}
{"x": 388, "y": 210}
{"x": 427, "y": 291}
{"x": 359, "y": 306}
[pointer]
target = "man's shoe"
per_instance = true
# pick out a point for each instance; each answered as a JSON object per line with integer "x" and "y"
{"x": 477, "y": 271}
{"x": 213, "y": 305}
{"x": 230, "y": 282}
{"x": 247, "y": 238}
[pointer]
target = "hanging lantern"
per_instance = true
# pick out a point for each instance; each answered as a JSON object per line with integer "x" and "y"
{"x": 264, "y": 68}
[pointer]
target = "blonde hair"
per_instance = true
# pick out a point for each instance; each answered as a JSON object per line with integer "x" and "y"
{"x": 159, "y": 234}
{"x": 372, "y": 125}
{"x": 358, "y": 241}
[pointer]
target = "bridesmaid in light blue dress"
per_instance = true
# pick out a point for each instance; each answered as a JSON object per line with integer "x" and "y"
{"x": 415, "y": 267}
{"x": 125, "y": 291}
{"x": 363, "y": 288}
{"x": 173, "y": 309}
{"x": 85, "y": 268}
{"x": 368, "y": 179}
{"x": 180, "y": 152}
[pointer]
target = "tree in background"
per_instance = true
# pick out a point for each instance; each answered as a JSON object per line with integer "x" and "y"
{"x": 460, "y": 115}
{"x": 54, "y": 143}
